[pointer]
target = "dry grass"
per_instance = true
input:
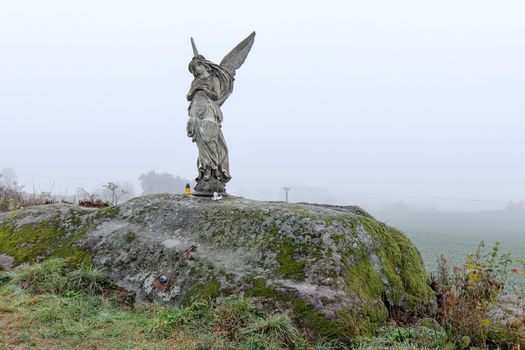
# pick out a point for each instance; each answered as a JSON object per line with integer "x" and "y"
{"x": 13, "y": 198}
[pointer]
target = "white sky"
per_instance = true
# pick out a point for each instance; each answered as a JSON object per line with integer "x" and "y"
{"x": 417, "y": 98}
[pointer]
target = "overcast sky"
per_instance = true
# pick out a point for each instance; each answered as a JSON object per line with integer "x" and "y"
{"x": 416, "y": 98}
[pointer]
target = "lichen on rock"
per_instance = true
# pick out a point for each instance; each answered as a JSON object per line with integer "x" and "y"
{"x": 335, "y": 270}
{"x": 35, "y": 233}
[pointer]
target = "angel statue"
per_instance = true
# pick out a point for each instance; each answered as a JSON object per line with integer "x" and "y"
{"x": 211, "y": 86}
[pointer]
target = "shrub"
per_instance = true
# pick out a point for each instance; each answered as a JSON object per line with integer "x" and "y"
{"x": 90, "y": 200}
{"x": 13, "y": 198}
{"x": 467, "y": 293}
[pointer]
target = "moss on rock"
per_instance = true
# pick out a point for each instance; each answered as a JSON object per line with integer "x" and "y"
{"x": 336, "y": 270}
{"x": 209, "y": 290}
{"x": 30, "y": 242}
{"x": 289, "y": 265}
{"x": 400, "y": 262}
{"x": 303, "y": 313}
{"x": 54, "y": 236}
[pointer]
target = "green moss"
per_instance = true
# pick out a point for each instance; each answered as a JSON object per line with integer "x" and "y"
{"x": 389, "y": 271}
{"x": 274, "y": 230}
{"x": 501, "y": 335}
{"x": 27, "y": 242}
{"x": 362, "y": 280}
{"x": 329, "y": 220}
{"x": 74, "y": 256}
{"x": 396, "y": 276}
{"x": 364, "y": 319}
{"x": 208, "y": 290}
{"x": 218, "y": 233}
{"x": 129, "y": 236}
{"x": 74, "y": 218}
{"x": 402, "y": 259}
{"x": 289, "y": 265}
{"x": 107, "y": 213}
{"x": 400, "y": 263}
{"x": 338, "y": 238}
{"x": 303, "y": 313}
{"x": 302, "y": 212}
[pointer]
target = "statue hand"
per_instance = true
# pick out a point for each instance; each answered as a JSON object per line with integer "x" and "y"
{"x": 211, "y": 94}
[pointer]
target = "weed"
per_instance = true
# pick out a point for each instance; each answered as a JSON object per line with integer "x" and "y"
{"x": 130, "y": 236}
{"x": 115, "y": 191}
{"x": 12, "y": 198}
{"x": 90, "y": 200}
{"x": 467, "y": 293}
{"x": 395, "y": 337}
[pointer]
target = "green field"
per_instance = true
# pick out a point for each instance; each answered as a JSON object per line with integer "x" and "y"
{"x": 456, "y": 234}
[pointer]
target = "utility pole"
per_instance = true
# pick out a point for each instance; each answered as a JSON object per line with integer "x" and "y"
{"x": 286, "y": 189}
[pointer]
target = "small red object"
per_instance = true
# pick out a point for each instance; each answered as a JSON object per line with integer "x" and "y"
{"x": 187, "y": 253}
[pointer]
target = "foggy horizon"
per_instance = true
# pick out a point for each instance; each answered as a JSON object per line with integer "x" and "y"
{"x": 351, "y": 103}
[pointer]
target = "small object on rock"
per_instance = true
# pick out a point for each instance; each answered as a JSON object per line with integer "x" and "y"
{"x": 187, "y": 190}
{"x": 216, "y": 197}
{"x": 163, "y": 279}
{"x": 187, "y": 253}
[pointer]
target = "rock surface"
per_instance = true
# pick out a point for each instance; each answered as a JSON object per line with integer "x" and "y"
{"x": 6, "y": 261}
{"x": 334, "y": 270}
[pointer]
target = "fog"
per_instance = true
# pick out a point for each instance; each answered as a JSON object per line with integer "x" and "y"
{"x": 346, "y": 102}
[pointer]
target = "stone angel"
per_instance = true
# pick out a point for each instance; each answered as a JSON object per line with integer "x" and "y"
{"x": 211, "y": 86}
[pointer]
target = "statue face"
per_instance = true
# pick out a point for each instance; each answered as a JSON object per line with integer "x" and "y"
{"x": 199, "y": 68}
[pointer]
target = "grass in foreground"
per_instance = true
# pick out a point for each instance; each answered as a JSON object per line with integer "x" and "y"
{"x": 53, "y": 306}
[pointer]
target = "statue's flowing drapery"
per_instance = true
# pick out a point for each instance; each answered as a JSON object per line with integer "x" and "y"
{"x": 204, "y": 125}
{"x": 212, "y": 85}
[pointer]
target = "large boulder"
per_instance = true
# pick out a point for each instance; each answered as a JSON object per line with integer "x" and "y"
{"x": 335, "y": 270}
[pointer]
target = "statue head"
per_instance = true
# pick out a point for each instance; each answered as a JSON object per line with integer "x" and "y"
{"x": 198, "y": 66}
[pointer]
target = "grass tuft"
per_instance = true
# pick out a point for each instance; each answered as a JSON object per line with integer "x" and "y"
{"x": 89, "y": 280}
{"x": 46, "y": 277}
{"x": 232, "y": 315}
{"x": 277, "y": 331}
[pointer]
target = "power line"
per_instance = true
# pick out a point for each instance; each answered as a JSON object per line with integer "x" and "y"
{"x": 308, "y": 189}
{"x": 457, "y": 199}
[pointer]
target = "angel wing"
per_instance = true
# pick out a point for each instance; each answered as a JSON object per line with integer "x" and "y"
{"x": 236, "y": 57}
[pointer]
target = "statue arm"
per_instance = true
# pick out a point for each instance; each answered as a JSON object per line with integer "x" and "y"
{"x": 189, "y": 96}
{"x": 214, "y": 91}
